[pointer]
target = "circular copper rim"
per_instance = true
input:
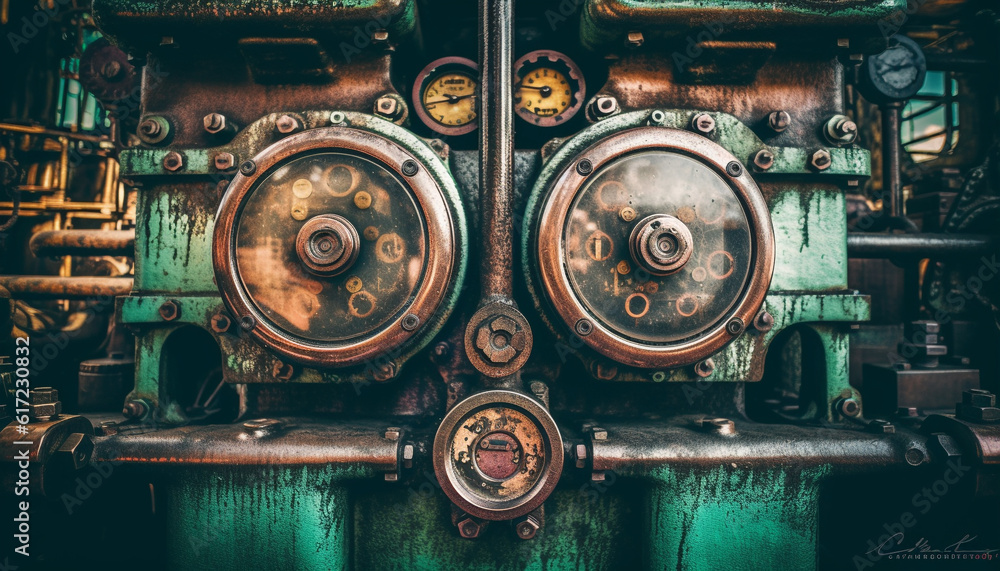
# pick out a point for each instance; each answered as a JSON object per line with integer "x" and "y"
{"x": 550, "y": 247}
{"x": 418, "y": 96}
{"x": 437, "y": 275}
{"x": 322, "y": 256}
{"x": 452, "y": 485}
{"x": 574, "y": 73}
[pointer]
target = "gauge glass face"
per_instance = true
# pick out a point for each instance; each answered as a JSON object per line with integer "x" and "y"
{"x": 614, "y": 286}
{"x": 391, "y": 246}
{"x": 450, "y": 99}
{"x": 544, "y": 92}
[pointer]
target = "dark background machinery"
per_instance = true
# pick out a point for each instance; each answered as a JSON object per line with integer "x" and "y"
{"x": 426, "y": 284}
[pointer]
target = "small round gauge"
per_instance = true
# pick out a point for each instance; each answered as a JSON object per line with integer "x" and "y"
{"x": 549, "y": 88}
{"x": 896, "y": 74}
{"x": 444, "y": 95}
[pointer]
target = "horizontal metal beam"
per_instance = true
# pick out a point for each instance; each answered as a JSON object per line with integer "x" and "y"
{"x": 861, "y": 245}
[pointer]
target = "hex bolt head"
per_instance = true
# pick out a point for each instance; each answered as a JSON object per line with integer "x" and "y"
{"x": 248, "y": 168}
{"x": 388, "y": 107}
{"x": 469, "y": 528}
{"x": 77, "y": 448}
{"x": 153, "y": 130}
{"x": 135, "y": 409}
{"x": 214, "y": 123}
{"x": 221, "y": 323}
{"x": 386, "y": 372}
{"x": 634, "y": 39}
{"x": 704, "y": 368}
{"x": 779, "y": 121}
{"x": 224, "y": 161}
{"x": 500, "y": 340}
{"x": 703, "y": 123}
{"x": 581, "y": 455}
{"x": 260, "y": 427}
{"x": 173, "y": 161}
{"x": 821, "y": 160}
{"x": 764, "y": 321}
{"x": 408, "y": 456}
{"x": 169, "y": 310}
{"x": 286, "y": 125}
{"x": 604, "y": 106}
{"x": 735, "y": 326}
{"x": 584, "y": 167}
{"x": 849, "y": 407}
{"x": 840, "y": 130}
{"x": 527, "y": 527}
{"x": 763, "y": 159}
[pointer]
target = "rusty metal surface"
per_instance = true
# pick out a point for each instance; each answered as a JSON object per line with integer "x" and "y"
{"x": 44, "y": 440}
{"x": 863, "y": 245}
{"x": 982, "y": 439}
{"x": 83, "y": 243}
{"x": 281, "y": 441}
{"x": 53, "y": 287}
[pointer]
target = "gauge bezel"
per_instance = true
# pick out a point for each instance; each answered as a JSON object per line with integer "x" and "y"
{"x": 550, "y": 248}
{"x": 452, "y": 483}
{"x": 438, "y": 274}
{"x": 425, "y": 76}
{"x": 573, "y": 73}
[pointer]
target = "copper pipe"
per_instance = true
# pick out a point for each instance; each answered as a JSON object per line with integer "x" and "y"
{"x": 83, "y": 243}
{"x": 53, "y": 287}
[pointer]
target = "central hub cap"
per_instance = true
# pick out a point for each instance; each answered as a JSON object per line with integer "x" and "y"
{"x": 661, "y": 244}
{"x": 327, "y": 244}
{"x": 498, "y": 455}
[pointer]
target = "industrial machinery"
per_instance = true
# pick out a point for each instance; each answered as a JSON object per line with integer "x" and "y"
{"x": 428, "y": 284}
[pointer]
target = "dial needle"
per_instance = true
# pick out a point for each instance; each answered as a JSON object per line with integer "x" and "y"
{"x": 451, "y": 99}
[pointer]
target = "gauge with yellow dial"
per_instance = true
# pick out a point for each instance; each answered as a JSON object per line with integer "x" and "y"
{"x": 444, "y": 95}
{"x": 549, "y": 88}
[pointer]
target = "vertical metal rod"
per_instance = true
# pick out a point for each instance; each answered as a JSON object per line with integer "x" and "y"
{"x": 892, "y": 152}
{"x": 496, "y": 148}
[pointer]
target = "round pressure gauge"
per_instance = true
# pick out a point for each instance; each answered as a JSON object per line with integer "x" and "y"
{"x": 444, "y": 95}
{"x": 655, "y": 247}
{"x": 339, "y": 245}
{"x": 498, "y": 454}
{"x": 549, "y": 88}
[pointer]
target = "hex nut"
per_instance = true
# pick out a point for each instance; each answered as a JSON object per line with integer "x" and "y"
{"x": 763, "y": 159}
{"x": 169, "y": 310}
{"x": 779, "y": 121}
{"x": 703, "y": 123}
{"x": 469, "y": 528}
{"x": 527, "y": 528}
{"x": 77, "y": 449}
{"x": 821, "y": 160}
{"x": 581, "y": 456}
{"x": 43, "y": 395}
{"x": 225, "y": 161}
{"x": 173, "y": 161}
{"x": 286, "y": 125}
{"x": 221, "y": 323}
{"x": 44, "y": 411}
{"x": 214, "y": 123}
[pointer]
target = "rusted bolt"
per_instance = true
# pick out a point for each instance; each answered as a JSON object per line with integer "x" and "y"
{"x": 735, "y": 326}
{"x": 527, "y": 527}
{"x": 441, "y": 352}
{"x": 599, "y": 433}
{"x": 170, "y": 310}
{"x": 224, "y": 161}
{"x": 388, "y": 107}
{"x": 584, "y": 327}
{"x": 821, "y": 160}
{"x": 849, "y": 407}
{"x": 500, "y": 340}
{"x": 248, "y": 168}
{"x": 410, "y": 167}
{"x": 173, "y": 161}
{"x": 581, "y": 456}
{"x": 247, "y": 323}
{"x": 840, "y": 130}
{"x": 262, "y": 426}
{"x": 584, "y": 167}
{"x": 604, "y": 106}
{"x": 764, "y": 321}
{"x": 220, "y": 323}
{"x": 703, "y": 123}
{"x": 764, "y": 159}
{"x": 722, "y": 426}
{"x": 393, "y": 433}
{"x": 657, "y": 117}
{"x": 286, "y": 125}
{"x": 779, "y": 121}
{"x": 410, "y": 322}
{"x": 469, "y": 528}
{"x": 734, "y": 169}
{"x": 111, "y": 70}
{"x": 153, "y": 130}
{"x": 135, "y": 409}
{"x": 282, "y": 371}
{"x": 44, "y": 395}
{"x": 380, "y": 36}
{"x": 214, "y": 123}
{"x": 627, "y": 214}
{"x": 386, "y": 372}
{"x": 634, "y": 39}
{"x": 704, "y": 368}
{"x": 408, "y": 456}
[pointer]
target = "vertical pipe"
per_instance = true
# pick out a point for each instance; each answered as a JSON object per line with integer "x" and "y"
{"x": 496, "y": 145}
{"x": 892, "y": 151}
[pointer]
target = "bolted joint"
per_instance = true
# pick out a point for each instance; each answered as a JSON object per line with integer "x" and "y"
{"x": 764, "y": 321}
{"x": 221, "y": 323}
{"x": 169, "y": 310}
{"x": 225, "y": 161}
{"x": 779, "y": 121}
{"x": 76, "y": 450}
{"x": 286, "y": 125}
{"x": 389, "y": 107}
{"x": 153, "y": 130}
{"x": 849, "y": 407}
{"x": 135, "y": 409}
{"x": 581, "y": 455}
{"x": 704, "y": 369}
{"x": 469, "y": 527}
{"x": 703, "y": 123}
{"x": 173, "y": 161}
{"x": 840, "y": 130}
{"x": 500, "y": 340}
{"x": 821, "y": 160}
{"x": 604, "y": 106}
{"x": 527, "y": 527}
